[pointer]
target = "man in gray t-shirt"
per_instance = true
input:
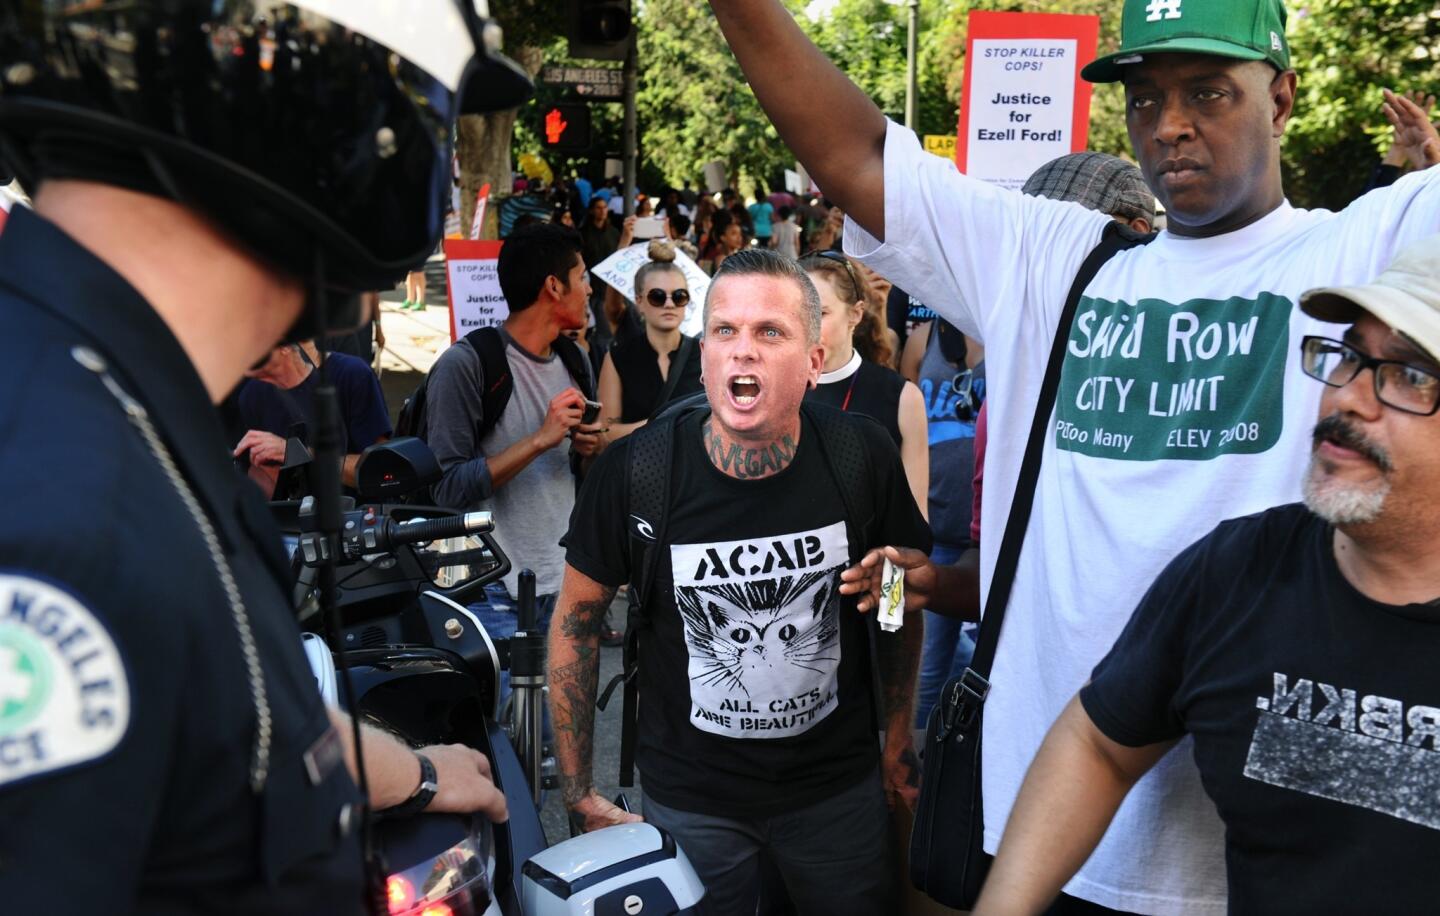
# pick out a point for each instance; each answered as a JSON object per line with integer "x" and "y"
{"x": 520, "y": 467}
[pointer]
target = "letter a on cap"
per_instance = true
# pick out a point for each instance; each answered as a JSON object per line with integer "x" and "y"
{"x": 1162, "y": 9}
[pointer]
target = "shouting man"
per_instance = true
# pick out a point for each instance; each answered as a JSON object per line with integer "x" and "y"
{"x": 756, "y": 728}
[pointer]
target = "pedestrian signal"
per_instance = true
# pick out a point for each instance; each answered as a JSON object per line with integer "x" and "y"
{"x": 565, "y": 127}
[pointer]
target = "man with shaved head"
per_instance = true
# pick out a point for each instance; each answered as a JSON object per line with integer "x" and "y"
{"x": 756, "y": 732}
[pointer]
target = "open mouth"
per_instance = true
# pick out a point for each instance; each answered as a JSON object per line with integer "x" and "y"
{"x": 744, "y": 389}
{"x": 1337, "y": 439}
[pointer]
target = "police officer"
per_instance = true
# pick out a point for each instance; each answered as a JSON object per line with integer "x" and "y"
{"x": 204, "y": 175}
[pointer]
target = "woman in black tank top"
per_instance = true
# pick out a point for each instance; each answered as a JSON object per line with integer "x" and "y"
{"x": 854, "y": 378}
{"x": 636, "y": 376}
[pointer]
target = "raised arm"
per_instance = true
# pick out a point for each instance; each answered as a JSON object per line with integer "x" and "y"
{"x": 1074, "y": 786}
{"x": 830, "y": 125}
{"x": 573, "y": 672}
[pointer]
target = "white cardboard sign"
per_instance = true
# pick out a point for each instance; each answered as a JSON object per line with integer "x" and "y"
{"x": 474, "y": 286}
{"x": 619, "y": 269}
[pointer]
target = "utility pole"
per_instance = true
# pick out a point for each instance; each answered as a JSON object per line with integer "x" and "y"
{"x": 912, "y": 64}
{"x": 628, "y": 142}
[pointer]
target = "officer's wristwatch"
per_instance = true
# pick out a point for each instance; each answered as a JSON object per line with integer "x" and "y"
{"x": 422, "y": 796}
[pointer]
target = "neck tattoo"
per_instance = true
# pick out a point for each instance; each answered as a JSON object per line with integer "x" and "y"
{"x": 748, "y": 463}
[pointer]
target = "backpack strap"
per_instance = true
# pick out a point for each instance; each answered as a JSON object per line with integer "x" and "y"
{"x": 845, "y": 455}
{"x": 647, "y": 499}
{"x": 577, "y": 363}
{"x": 499, "y": 384}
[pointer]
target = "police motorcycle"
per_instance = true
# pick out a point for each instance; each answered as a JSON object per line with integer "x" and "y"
{"x": 423, "y": 667}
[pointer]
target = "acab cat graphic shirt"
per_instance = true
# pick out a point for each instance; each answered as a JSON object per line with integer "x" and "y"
{"x": 1315, "y": 713}
{"x": 755, "y": 690}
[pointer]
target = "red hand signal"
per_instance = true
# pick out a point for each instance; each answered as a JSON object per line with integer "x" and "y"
{"x": 555, "y": 125}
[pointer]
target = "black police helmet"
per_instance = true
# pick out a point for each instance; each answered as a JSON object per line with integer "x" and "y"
{"x": 316, "y": 132}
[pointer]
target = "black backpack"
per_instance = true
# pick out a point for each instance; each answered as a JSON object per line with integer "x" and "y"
{"x": 489, "y": 345}
{"x": 648, "y": 480}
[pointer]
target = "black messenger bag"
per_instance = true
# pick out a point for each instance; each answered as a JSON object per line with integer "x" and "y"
{"x": 947, "y": 860}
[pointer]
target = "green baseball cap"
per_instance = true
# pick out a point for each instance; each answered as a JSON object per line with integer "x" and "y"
{"x": 1240, "y": 29}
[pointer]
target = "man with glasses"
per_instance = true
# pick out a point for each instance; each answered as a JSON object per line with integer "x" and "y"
{"x": 1296, "y": 646}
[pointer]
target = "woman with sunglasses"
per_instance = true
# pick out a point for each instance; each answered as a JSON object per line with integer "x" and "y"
{"x": 857, "y": 375}
{"x": 644, "y": 371}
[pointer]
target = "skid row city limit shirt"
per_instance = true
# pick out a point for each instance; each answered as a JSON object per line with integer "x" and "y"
{"x": 755, "y": 687}
{"x": 1181, "y": 404}
{"x": 1315, "y": 713}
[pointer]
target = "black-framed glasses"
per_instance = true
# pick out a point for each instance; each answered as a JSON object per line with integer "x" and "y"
{"x": 832, "y": 255}
{"x": 658, "y": 298}
{"x": 1400, "y": 385}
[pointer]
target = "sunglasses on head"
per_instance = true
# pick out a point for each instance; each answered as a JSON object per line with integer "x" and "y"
{"x": 838, "y": 258}
{"x": 658, "y": 297}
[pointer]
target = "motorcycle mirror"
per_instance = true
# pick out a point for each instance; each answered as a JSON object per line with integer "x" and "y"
{"x": 394, "y": 468}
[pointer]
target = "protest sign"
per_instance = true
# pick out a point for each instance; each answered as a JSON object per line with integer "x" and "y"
{"x": 473, "y": 286}
{"x": 618, "y": 271}
{"x": 1024, "y": 101}
{"x": 482, "y": 197}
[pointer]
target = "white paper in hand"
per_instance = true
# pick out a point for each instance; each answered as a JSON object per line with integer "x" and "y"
{"x": 892, "y": 597}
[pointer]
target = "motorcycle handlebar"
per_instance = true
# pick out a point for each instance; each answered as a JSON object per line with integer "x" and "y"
{"x": 396, "y": 535}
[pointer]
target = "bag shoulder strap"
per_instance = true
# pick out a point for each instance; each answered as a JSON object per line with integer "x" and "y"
{"x": 843, "y": 448}
{"x": 576, "y": 363}
{"x": 845, "y": 457}
{"x": 647, "y": 506}
{"x": 677, "y": 369}
{"x": 1117, "y": 238}
{"x": 489, "y": 346}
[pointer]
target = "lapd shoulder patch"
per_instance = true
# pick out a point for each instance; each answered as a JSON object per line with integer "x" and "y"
{"x": 64, "y": 698}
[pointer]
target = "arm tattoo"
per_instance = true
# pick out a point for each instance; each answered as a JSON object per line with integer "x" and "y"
{"x": 899, "y": 660}
{"x": 572, "y": 695}
{"x": 748, "y": 463}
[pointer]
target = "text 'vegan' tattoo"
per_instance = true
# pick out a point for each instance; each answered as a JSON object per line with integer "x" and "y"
{"x": 748, "y": 463}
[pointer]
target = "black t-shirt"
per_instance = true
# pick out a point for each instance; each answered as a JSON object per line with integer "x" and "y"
{"x": 640, "y": 382}
{"x": 755, "y": 690}
{"x": 873, "y": 391}
{"x": 1315, "y": 712}
{"x": 291, "y": 412}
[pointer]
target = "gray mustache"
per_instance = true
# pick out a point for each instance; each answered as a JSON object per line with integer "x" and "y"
{"x": 1340, "y": 431}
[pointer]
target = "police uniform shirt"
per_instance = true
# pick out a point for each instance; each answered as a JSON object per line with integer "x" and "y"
{"x": 127, "y": 723}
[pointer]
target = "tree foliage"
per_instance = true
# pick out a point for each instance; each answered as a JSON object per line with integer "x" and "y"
{"x": 695, "y": 107}
{"x": 1345, "y": 52}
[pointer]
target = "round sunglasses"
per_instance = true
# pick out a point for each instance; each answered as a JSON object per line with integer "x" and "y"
{"x": 658, "y": 298}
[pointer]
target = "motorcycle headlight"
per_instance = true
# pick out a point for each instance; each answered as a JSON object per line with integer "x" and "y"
{"x": 454, "y": 883}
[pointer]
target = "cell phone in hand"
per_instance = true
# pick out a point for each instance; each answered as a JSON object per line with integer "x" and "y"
{"x": 591, "y": 414}
{"x": 649, "y": 227}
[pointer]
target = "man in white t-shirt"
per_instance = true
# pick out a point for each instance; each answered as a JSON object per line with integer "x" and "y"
{"x": 1181, "y": 402}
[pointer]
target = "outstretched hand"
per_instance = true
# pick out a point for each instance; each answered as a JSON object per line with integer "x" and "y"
{"x": 863, "y": 578}
{"x": 1415, "y": 136}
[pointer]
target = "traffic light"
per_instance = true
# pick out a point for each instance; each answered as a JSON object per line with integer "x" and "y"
{"x": 565, "y": 126}
{"x": 599, "y": 29}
